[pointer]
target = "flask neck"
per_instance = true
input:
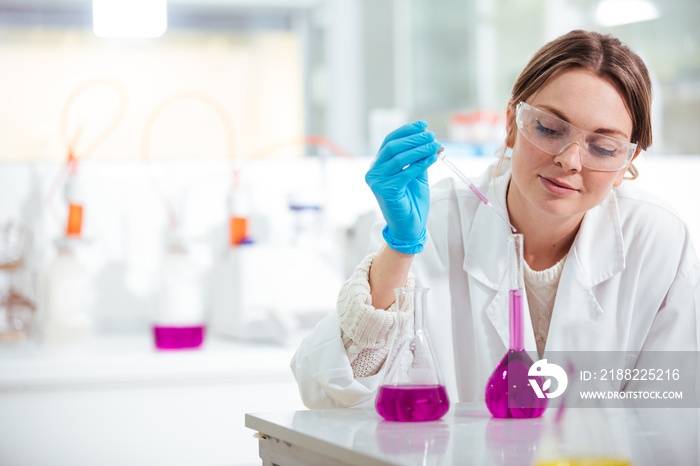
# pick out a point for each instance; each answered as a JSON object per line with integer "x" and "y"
{"x": 412, "y": 301}
{"x": 515, "y": 255}
{"x": 516, "y": 320}
{"x": 418, "y": 310}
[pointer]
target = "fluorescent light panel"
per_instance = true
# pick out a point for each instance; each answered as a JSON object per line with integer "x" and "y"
{"x": 129, "y": 18}
{"x": 618, "y": 12}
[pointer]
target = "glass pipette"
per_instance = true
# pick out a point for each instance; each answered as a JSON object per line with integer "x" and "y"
{"x": 472, "y": 186}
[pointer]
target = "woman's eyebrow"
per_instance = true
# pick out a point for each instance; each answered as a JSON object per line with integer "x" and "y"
{"x": 554, "y": 112}
{"x": 561, "y": 116}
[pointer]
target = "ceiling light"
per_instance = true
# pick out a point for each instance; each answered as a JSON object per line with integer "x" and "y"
{"x": 129, "y": 18}
{"x": 617, "y": 12}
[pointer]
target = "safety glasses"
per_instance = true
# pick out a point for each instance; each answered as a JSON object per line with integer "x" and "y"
{"x": 553, "y": 135}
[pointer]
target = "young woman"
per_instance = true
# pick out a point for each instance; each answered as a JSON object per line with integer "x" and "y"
{"x": 600, "y": 254}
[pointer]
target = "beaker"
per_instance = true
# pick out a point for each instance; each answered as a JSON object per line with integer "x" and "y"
{"x": 509, "y": 393}
{"x": 412, "y": 389}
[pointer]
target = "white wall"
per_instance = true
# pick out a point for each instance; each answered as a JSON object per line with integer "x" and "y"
{"x": 224, "y": 94}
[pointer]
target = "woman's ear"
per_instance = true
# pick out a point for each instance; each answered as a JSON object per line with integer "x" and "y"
{"x": 620, "y": 176}
{"x": 510, "y": 125}
{"x": 631, "y": 169}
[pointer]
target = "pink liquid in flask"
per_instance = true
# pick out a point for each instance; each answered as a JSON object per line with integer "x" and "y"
{"x": 171, "y": 337}
{"x": 412, "y": 403}
{"x": 508, "y": 390}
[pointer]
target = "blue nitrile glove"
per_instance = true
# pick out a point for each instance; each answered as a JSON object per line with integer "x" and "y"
{"x": 398, "y": 178}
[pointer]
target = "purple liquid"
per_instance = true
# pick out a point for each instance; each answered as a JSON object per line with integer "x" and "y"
{"x": 508, "y": 391}
{"x": 412, "y": 403}
{"x": 170, "y": 338}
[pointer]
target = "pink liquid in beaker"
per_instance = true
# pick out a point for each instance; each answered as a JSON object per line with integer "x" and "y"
{"x": 170, "y": 338}
{"x": 412, "y": 403}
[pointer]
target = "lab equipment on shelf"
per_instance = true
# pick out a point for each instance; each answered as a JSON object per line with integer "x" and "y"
{"x": 228, "y": 271}
{"x": 179, "y": 322}
{"x": 64, "y": 315}
{"x": 508, "y": 390}
{"x": 242, "y": 276}
{"x": 243, "y": 307}
{"x": 478, "y": 133}
{"x": 412, "y": 388}
{"x": 63, "y": 310}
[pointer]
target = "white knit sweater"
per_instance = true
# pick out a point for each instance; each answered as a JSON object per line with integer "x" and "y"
{"x": 365, "y": 330}
{"x": 541, "y": 290}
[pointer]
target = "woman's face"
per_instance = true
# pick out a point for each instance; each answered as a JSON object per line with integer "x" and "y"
{"x": 558, "y": 186}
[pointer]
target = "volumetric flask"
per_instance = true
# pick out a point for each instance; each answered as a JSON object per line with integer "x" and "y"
{"x": 412, "y": 389}
{"x": 509, "y": 393}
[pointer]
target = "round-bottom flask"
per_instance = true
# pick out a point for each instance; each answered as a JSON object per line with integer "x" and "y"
{"x": 412, "y": 389}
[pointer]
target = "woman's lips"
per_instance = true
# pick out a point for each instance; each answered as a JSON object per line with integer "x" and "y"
{"x": 556, "y": 186}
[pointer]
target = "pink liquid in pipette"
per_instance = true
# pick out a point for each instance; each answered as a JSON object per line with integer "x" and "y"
{"x": 472, "y": 186}
{"x": 171, "y": 338}
{"x": 412, "y": 403}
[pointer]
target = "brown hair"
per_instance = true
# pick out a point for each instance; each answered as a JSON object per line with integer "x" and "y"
{"x": 607, "y": 57}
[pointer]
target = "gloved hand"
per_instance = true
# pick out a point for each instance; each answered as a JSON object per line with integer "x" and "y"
{"x": 398, "y": 178}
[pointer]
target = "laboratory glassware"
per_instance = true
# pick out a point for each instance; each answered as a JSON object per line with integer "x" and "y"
{"x": 412, "y": 388}
{"x": 472, "y": 186}
{"x": 508, "y": 390}
{"x": 228, "y": 273}
{"x": 180, "y": 321}
{"x": 64, "y": 314}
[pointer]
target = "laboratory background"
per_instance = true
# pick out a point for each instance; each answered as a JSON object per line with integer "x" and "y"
{"x": 200, "y": 163}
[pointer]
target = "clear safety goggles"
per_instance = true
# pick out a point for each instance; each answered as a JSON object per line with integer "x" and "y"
{"x": 553, "y": 135}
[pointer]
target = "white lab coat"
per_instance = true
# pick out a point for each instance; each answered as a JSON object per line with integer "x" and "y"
{"x": 630, "y": 282}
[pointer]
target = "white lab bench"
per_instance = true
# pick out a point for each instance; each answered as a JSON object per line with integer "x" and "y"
{"x": 118, "y": 401}
{"x": 466, "y": 435}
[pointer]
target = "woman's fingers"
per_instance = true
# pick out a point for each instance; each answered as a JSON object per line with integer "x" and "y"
{"x": 396, "y": 156}
{"x": 405, "y": 130}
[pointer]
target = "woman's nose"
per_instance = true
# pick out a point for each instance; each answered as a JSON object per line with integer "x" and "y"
{"x": 569, "y": 158}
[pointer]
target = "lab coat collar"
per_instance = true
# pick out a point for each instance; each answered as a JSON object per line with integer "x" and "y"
{"x": 596, "y": 255}
{"x": 485, "y": 246}
{"x": 486, "y": 258}
{"x": 599, "y": 247}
